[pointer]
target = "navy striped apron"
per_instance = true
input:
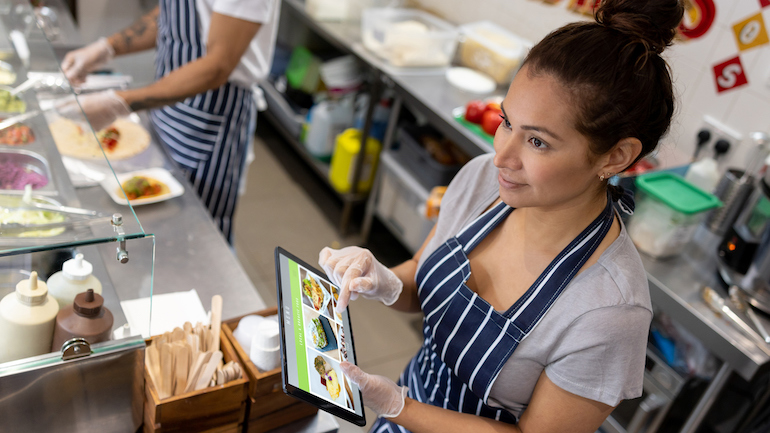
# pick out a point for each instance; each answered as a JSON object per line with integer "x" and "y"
{"x": 466, "y": 341}
{"x": 207, "y": 134}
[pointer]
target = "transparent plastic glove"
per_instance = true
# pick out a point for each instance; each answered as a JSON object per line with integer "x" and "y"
{"x": 356, "y": 271}
{"x": 381, "y": 394}
{"x": 78, "y": 63}
{"x": 101, "y": 108}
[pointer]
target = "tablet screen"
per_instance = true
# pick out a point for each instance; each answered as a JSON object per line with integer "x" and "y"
{"x": 316, "y": 337}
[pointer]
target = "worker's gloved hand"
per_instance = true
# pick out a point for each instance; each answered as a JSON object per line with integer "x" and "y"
{"x": 78, "y": 63}
{"x": 101, "y": 108}
{"x": 356, "y": 271}
{"x": 381, "y": 394}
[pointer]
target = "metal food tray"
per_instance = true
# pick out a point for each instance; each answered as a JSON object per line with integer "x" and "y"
{"x": 31, "y": 161}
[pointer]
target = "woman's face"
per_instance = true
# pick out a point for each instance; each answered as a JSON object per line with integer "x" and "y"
{"x": 542, "y": 159}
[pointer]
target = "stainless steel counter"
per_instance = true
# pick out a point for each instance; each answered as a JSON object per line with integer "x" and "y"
{"x": 675, "y": 288}
{"x": 423, "y": 89}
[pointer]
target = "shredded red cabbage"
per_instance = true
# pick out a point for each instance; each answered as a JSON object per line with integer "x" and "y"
{"x": 15, "y": 176}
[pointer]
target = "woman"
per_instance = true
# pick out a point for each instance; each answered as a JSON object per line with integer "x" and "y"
{"x": 536, "y": 303}
{"x": 209, "y": 55}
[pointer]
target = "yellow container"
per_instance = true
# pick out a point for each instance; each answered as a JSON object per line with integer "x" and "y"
{"x": 346, "y": 148}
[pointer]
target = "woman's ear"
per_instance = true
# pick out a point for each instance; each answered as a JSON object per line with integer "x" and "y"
{"x": 622, "y": 155}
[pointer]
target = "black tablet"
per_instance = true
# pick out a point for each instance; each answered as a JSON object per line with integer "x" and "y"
{"x": 315, "y": 339}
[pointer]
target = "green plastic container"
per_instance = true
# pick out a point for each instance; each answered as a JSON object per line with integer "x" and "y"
{"x": 668, "y": 210}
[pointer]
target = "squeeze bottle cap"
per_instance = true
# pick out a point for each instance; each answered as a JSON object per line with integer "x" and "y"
{"x": 88, "y": 303}
{"x": 77, "y": 269}
{"x": 32, "y": 292}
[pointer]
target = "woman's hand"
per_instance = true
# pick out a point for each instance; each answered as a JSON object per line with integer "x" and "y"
{"x": 356, "y": 271}
{"x": 381, "y": 394}
{"x": 78, "y": 63}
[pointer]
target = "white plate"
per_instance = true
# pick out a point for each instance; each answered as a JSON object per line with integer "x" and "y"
{"x": 161, "y": 174}
{"x": 470, "y": 80}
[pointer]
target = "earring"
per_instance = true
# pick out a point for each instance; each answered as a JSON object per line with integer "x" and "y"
{"x": 601, "y": 178}
{"x": 605, "y": 176}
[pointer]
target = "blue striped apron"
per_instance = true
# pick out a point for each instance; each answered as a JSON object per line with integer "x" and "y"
{"x": 466, "y": 341}
{"x": 207, "y": 134}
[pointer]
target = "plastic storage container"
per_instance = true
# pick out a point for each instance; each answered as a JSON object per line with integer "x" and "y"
{"x": 401, "y": 203}
{"x": 493, "y": 50}
{"x": 326, "y": 120}
{"x": 418, "y": 160}
{"x": 668, "y": 210}
{"x": 341, "y": 168}
{"x": 408, "y": 37}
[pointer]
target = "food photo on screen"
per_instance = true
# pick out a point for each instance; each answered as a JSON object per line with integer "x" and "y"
{"x": 313, "y": 293}
{"x": 326, "y": 379}
{"x": 321, "y": 334}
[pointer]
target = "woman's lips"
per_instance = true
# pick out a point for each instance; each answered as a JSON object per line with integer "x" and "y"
{"x": 509, "y": 184}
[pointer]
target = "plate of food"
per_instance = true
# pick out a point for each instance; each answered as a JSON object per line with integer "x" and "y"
{"x": 315, "y": 295}
{"x": 326, "y": 382}
{"x": 146, "y": 186}
{"x": 121, "y": 140}
{"x": 320, "y": 334}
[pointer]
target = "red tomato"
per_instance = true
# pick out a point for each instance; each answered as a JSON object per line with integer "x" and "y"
{"x": 490, "y": 121}
{"x": 110, "y": 143}
{"x": 474, "y": 111}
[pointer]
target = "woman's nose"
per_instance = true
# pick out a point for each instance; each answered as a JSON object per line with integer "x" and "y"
{"x": 507, "y": 150}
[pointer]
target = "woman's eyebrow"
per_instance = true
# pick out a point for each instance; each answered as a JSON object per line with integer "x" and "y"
{"x": 540, "y": 129}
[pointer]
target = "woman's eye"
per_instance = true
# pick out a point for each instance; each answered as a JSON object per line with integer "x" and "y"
{"x": 506, "y": 123}
{"x": 538, "y": 143}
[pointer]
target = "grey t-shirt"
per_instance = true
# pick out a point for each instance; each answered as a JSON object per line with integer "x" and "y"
{"x": 592, "y": 341}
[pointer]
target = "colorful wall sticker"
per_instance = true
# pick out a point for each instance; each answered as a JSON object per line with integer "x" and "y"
{"x": 750, "y": 32}
{"x": 764, "y": 3}
{"x": 729, "y": 75}
{"x": 698, "y": 18}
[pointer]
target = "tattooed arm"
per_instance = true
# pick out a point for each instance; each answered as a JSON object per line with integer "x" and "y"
{"x": 228, "y": 39}
{"x": 139, "y": 36}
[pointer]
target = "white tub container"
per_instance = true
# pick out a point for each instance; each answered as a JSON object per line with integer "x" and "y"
{"x": 408, "y": 38}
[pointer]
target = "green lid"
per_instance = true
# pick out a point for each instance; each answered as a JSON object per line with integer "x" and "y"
{"x": 677, "y": 193}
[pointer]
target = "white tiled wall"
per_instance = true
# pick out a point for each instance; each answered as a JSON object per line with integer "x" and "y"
{"x": 744, "y": 109}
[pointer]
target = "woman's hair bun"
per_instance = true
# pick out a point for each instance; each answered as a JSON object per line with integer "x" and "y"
{"x": 652, "y": 22}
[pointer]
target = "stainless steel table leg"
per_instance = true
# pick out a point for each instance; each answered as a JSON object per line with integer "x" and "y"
{"x": 707, "y": 400}
{"x": 366, "y": 226}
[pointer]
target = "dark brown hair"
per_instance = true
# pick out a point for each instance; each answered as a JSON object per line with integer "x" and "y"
{"x": 614, "y": 72}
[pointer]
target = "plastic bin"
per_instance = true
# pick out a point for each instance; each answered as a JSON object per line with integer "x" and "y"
{"x": 401, "y": 203}
{"x": 419, "y": 161}
{"x": 408, "y": 37}
{"x": 493, "y": 50}
{"x": 668, "y": 210}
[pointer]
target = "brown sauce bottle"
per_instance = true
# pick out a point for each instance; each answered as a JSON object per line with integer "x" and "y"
{"x": 86, "y": 318}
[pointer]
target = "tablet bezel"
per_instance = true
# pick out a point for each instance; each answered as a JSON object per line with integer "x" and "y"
{"x": 291, "y": 389}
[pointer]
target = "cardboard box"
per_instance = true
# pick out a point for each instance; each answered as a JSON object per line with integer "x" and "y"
{"x": 269, "y": 406}
{"x": 216, "y": 409}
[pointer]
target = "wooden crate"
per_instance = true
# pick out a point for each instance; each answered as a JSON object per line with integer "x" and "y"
{"x": 216, "y": 409}
{"x": 269, "y": 406}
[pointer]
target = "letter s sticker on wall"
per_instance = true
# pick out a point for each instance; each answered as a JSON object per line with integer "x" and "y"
{"x": 729, "y": 75}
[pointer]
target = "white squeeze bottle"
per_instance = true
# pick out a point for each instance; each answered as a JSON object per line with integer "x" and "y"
{"x": 27, "y": 318}
{"x": 75, "y": 277}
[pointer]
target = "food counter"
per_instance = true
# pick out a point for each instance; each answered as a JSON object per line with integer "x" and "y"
{"x": 170, "y": 246}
